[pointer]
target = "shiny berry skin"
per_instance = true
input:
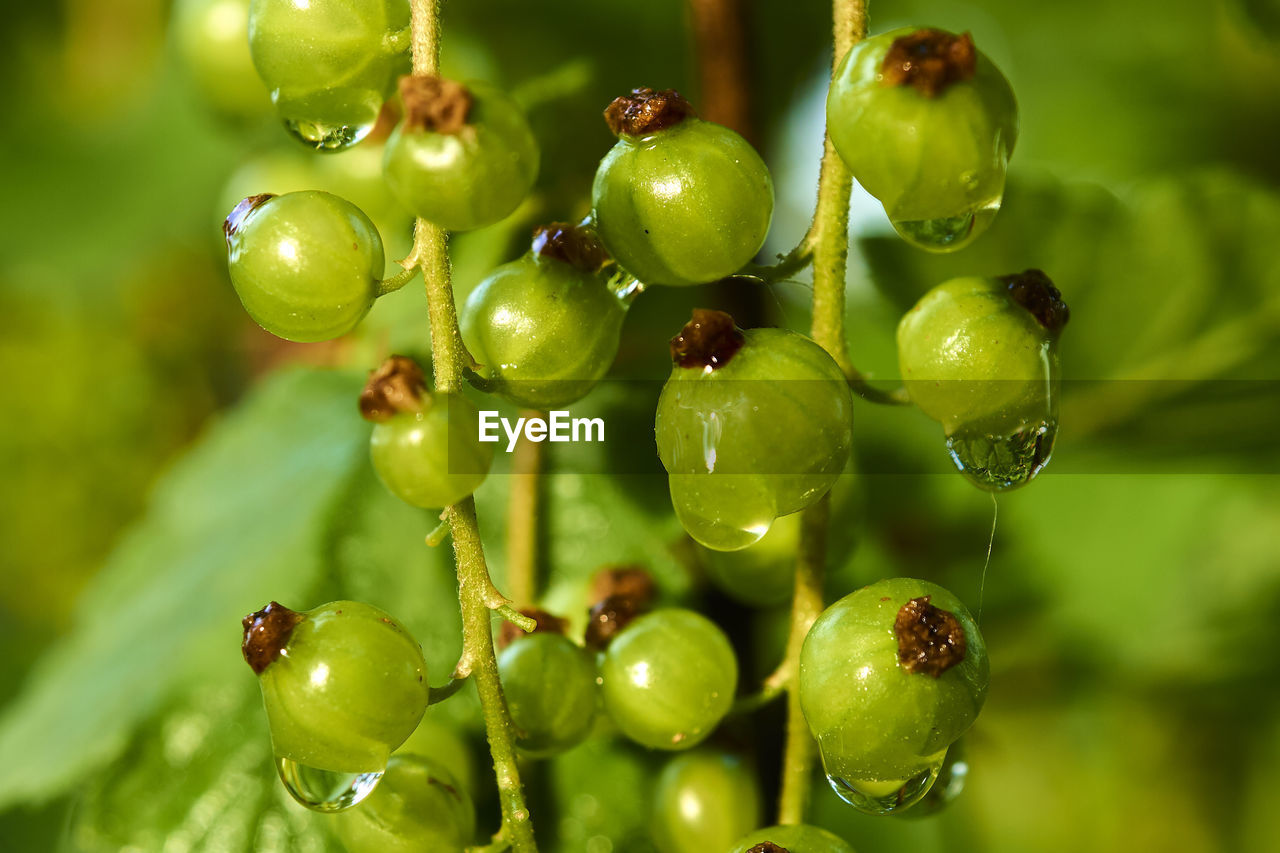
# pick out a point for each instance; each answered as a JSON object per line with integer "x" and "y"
{"x": 550, "y": 687}
{"x": 980, "y": 356}
{"x": 545, "y": 328}
{"x": 705, "y": 800}
{"x": 417, "y": 806}
{"x": 343, "y": 684}
{"x": 669, "y": 678}
{"x": 885, "y": 705}
{"x": 795, "y": 838}
{"x": 432, "y": 458}
{"x": 306, "y": 265}
{"x": 751, "y": 425}
{"x": 213, "y": 44}
{"x": 329, "y": 64}
{"x": 685, "y": 204}
{"x": 463, "y": 170}
{"x": 934, "y": 151}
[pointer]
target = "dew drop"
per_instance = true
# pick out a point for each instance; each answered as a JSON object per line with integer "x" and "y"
{"x": 998, "y": 463}
{"x": 723, "y": 512}
{"x": 949, "y": 233}
{"x": 886, "y": 796}
{"x": 330, "y": 119}
{"x": 950, "y": 784}
{"x": 325, "y": 790}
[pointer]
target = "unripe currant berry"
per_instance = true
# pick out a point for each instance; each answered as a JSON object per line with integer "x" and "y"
{"x": 705, "y": 801}
{"x": 926, "y": 123}
{"x": 306, "y": 265}
{"x": 793, "y": 838}
{"x": 679, "y": 200}
{"x": 890, "y": 676}
{"x": 546, "y": 327}
{"x": 418, "y": 806}
{"x": 750, "y": 426}
{"x": 668, "y": 678}
{"x": 343, "y": 684}
{"x": 425, "y": 446}
{"x": 980, "y": 356}
{"x": 213, "y": 46}
{"x": 329, "y": 64}
{"x": 464, "y": 157}
{"x": 550, "y": 688}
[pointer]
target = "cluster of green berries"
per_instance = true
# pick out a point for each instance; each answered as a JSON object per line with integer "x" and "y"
{"x": 752, "y": 426}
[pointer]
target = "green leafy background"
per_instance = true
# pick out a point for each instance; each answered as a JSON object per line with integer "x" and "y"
{"x": 168, "y": 467}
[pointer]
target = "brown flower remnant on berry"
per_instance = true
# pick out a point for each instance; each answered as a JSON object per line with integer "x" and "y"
{"x": 646, "y": 111}
{"x": 434, "y": 104}
{"x": 396, "y": 386}
{"x": 1033, "y": 290}
{"x": 710, "y": 339}
{"x": 767, "y": 847}
{"x": 544, "y": 623}
{"x": 633, "y": 582}
{"x": 576, "y": 245}
{"x": 235, "y": 219}
{"x": 608, "y": 618}
{"x": 266, "y": 633}
{"x": 930, "y": 640}
{"x": 930, "y": 61}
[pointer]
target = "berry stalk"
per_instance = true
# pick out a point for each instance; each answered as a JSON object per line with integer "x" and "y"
{"x": 830, "y": 262}
{"x": 475, "y": 587}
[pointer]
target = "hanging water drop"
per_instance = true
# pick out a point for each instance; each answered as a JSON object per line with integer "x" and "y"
{"x": 726, "y": 512}
{"x": 330, "y": 119}
{"x": 325, "y": 790}
{"x": 950, "y": 233}
{"x": 998, "y": 463}
{"x": 887, "y": 796}
{"x": 950, "y": 783}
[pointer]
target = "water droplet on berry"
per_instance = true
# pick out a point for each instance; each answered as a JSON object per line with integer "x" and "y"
{"x": 724, "y": 512}
{"x": 886, "y": 796}
{"x": 325, "y": 790}
{"x": 947, "y": 234}
{"x": 331, "y": 119}
{"x": 950, "y": 784}
{"x": 997, "y": 463}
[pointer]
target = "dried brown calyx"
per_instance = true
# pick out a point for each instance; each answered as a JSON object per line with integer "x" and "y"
{"x": 710, "y": 339}
{"x": 929, "y": 60}
{"x": 1033, "y": 290}
{"x": 646, "y": 111}
{"x": 397, "y": 385}
{"x": 608, "y": 617}
{"x": 576, "y": 245}
{"x": 235, "y": 219}
{"x": 435, "y": 104}
{"x": 930, "y": 640}
{"x": 633, "y": 582}
{"x": 266, "y": 633}
{"x": 544, "y": 623}
{"x": 767, "y": 847}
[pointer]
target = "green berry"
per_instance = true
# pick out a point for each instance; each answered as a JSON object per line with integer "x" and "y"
{"x": 417, "y": 806}
{"x": 343, "y": 684}
{"x": 546, "y": 326}
{"x": 425, "y": 446}
{"x": 980, "y": 356}
{"x": 750, "y": 426}
{"x": 764, "y": 574}
{"x": 464, "y": 157}
{"x": 679, "y": 200}
{"x": 705, "y": 801}
{"x": 306, "y": 265}
{"x": 447, "y": 746}
{"x": 890, "y": 676}
{"x": 212, "y": 38}
{"x": 550, "y": 686}
{"x": 669, "y": 678}
{"x": 329, "y": 64}
{"x": 926, "y": 123}
{"x": 794, "y": 838}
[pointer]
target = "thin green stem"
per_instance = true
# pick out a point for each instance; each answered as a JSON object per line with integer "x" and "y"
{"x": 476, "y": 593}
{"x": 522, "y": 519}
{"x": 436, "y": 695}
{"x": 830, "y": 236}
{"x": 397, "y": 281}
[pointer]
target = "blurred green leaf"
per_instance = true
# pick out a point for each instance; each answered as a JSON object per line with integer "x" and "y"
{"x": 235, "y": 524}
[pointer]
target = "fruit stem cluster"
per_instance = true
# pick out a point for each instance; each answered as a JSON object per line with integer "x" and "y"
{"x": 476, "y": 592}
{"x": 830, "y": 235}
